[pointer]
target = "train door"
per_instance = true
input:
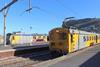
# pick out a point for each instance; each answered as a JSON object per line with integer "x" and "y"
{"x": 82, "y": 41}
{"x": 74, "y": 41}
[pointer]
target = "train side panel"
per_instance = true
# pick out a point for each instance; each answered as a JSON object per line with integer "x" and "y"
{"x": 81, "y": 39}
{"x": 14, "y": 39}
{"x": 27, "y": 39}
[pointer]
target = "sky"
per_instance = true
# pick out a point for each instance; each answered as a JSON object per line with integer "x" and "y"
{"x": 49, "y": 14}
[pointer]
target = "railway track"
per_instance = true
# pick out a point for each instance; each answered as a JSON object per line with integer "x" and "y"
{"x": 26, "y": 60}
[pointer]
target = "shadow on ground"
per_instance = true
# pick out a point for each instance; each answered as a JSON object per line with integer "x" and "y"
{"x": 92, "y": 62}
{"x": 40, "y": 54}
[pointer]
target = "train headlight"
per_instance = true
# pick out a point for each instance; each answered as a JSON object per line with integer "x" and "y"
{"x": 57, "y": 30}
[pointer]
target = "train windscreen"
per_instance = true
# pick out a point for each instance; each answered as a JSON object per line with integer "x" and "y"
{"x": 62, "y": 36}
{"x": 57, "y": 35}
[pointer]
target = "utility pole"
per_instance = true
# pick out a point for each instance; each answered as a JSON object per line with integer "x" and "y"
{"x": 29, "y": 5}
{"x": 5, "y": 12}
{"x": 5, "y": 15}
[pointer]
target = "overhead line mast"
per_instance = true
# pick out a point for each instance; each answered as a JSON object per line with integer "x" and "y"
{"x": 30, "y": 5}
{"x": 5, "y": 12}
{"x": 8, "y": 5}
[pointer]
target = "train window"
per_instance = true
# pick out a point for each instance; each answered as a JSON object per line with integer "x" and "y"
{"x": 44, "y": 36}
{"x": 62, "y": 36}
{"x": 87, "y": 38}
{"x": 90, "y": 37}
{"x": 84, "y": 38}
{"x": 34, "y": 37}
{"x": 94, "y": 38}
{"x": 97, "y": 37}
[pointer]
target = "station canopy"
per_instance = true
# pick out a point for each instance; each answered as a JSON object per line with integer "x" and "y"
{"x": 87, "y": 24}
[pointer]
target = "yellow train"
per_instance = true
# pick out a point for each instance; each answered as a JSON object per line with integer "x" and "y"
{"x": 21, "y": 38}
{"x": 65, "y": 40}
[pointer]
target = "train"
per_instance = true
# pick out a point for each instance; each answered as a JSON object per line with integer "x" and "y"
{"x": 67, "y": 40}
{"x": 22, "y": 38}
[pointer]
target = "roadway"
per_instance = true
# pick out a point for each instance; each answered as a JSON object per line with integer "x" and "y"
{"x": 88, "y": 57}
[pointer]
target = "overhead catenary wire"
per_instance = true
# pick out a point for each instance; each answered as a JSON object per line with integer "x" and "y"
{"x": 40, "y": 9}
{"x": 68, "y": 8}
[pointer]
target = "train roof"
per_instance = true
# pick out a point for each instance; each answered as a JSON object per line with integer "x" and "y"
{"x": 80, "y": 31}
{"x": 73, "y": 30}
{"x": 58, "y": 28}
{"x": 22, "y": 34}
{"x": 86, "y": 24}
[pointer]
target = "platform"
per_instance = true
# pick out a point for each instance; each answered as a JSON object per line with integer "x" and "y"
{"x": 9, "y": 50}
{"x": 23, "y": 46}
{"x": 88, "y": 57}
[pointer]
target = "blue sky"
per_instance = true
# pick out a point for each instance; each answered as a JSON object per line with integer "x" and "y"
{"x": 50, "y": 15}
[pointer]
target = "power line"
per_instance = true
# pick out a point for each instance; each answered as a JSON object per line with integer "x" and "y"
{"x": 71, "y": 10}
{"x": 46, "y": 11}
{"x": 41, "y": 9}
{"x": 30, "y": 8}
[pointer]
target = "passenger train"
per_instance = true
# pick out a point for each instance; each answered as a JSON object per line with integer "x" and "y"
{"x": 21, "y": 38}
{"x": 67, "y": 40}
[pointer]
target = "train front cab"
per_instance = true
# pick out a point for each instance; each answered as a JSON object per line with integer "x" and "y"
{"x": 59, "y": 41}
